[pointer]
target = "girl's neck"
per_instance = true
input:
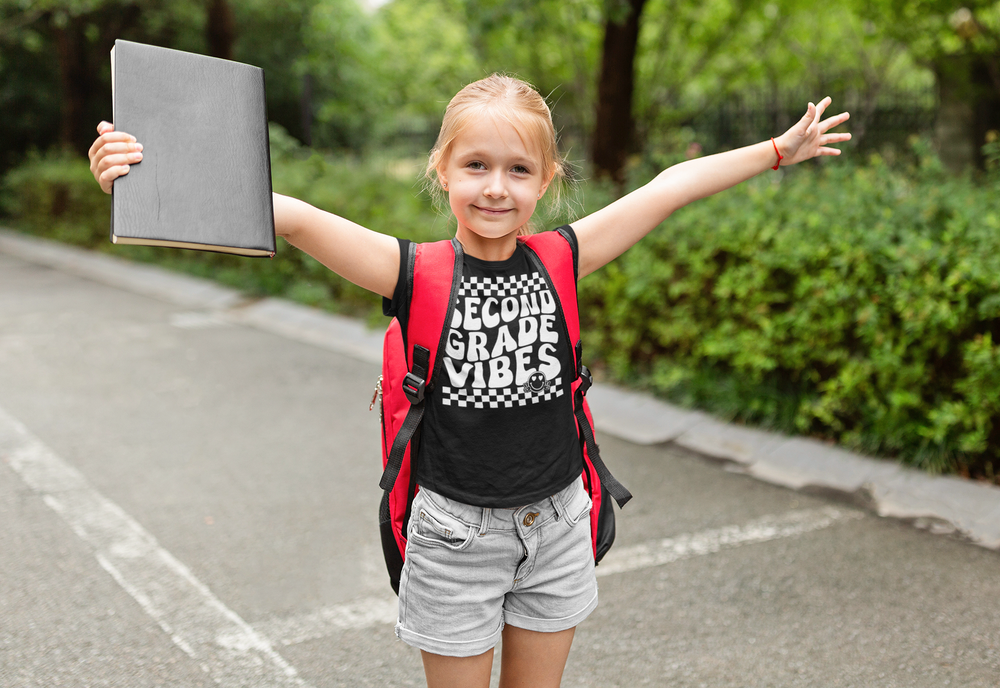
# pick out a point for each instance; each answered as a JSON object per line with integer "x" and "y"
{"x": 483, "y": 248}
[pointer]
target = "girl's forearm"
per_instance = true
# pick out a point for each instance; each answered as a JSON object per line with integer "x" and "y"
{"x": 691, "y": 180}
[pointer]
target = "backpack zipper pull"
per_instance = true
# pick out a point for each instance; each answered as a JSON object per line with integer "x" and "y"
{"x": 377, "y": 394}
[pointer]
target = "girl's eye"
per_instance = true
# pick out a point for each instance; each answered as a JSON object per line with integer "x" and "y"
{"x": 520, "y": 169}
{"x": 476, "y": 165}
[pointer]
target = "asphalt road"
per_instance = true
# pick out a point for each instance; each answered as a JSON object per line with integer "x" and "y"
{"x": 190, "y": 502}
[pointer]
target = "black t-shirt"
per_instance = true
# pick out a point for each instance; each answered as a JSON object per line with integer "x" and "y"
{"x": 498, "y": 428}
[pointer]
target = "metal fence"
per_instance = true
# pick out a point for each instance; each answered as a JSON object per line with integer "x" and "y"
{"x": 741, "y": 120}
{"x": 875, "y": 125}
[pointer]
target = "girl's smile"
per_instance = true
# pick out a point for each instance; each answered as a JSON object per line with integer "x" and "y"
{"x": 496, "y": 212}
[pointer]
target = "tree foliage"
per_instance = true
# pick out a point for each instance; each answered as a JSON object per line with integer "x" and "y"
{"x": 554, "y": 45}
{"x": 960, "y": 44}
{"x": 342, "y": 77}
{"x": 424, "y": 53}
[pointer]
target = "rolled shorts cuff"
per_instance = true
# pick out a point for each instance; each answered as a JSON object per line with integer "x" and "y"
{"x": 530, "y": 623}
{"x": 449, "y": 648}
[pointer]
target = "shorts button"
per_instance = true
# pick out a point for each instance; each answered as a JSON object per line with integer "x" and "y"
{"x": 529, "y": 517}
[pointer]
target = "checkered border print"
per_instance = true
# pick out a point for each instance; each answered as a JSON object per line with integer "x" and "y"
{"x": 502, "y": 286}
{"x": 498, "y": 398}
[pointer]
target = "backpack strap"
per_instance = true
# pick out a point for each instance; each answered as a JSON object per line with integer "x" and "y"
{"x": 433, "y": 274}
{"x": 615, "y": 488}
{"x": 552, "y": 254}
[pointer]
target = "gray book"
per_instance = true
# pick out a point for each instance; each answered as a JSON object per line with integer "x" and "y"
{"x": 204, "y": 181}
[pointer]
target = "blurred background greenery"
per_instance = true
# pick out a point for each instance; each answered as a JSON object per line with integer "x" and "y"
{"x": 855, "y": 299}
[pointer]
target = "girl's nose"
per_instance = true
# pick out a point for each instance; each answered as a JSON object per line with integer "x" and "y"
{"x": 495, "y": 186}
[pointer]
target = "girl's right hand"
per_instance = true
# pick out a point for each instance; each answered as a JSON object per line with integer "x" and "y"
{"x": 111, "y": 154}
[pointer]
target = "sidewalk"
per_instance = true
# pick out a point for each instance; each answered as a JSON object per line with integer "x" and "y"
{"x": 938, "y": 503}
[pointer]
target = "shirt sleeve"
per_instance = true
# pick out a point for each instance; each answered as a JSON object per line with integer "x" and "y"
{"x": 395, "y": 307}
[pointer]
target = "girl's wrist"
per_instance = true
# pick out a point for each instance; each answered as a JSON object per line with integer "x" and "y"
{"x": 777, "y": 151}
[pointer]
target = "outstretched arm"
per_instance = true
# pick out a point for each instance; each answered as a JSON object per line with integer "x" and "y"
{"x": 356, "y": 253}
{"x": 367, "y": 258}
{"x": 609, "y": 232}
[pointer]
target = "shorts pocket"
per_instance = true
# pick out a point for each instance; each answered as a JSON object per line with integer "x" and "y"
{"x": 432, "y": 525}
{"x": 578, "y": 503}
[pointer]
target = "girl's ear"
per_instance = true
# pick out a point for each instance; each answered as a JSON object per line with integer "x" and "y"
{"x": 545, "y": 184}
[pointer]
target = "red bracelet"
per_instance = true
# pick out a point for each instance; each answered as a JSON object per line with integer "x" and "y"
{"x": 780, "y": 156}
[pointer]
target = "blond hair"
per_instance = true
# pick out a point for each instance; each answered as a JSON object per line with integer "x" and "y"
{"x": 513, "y": 101}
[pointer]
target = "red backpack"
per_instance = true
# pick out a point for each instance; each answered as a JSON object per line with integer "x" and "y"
{"x": 433, "y": 277}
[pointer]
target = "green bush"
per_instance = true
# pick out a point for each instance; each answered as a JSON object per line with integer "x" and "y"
{"x": 849, "y": 302}
{"x": 56, "y": 195}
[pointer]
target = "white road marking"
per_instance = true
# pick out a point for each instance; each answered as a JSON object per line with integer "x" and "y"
{"x": 226, "y": 647}
{"x": 197, "y": 320}
{"x": 374, "y": 611}
{"x": 660, "y": 552}
{"x": 363, "y": 613}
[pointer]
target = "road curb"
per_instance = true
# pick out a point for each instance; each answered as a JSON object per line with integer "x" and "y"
{"x": 940, "y": 503}
{"x": 148, "y": 280}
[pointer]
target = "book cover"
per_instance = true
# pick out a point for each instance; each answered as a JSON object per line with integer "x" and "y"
{"x": 205, "y": 178}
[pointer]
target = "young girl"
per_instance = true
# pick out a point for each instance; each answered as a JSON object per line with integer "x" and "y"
{"x": 498, "y": 544}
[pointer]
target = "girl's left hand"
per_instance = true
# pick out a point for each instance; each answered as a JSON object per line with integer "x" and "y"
{"x": 808, "y": 138}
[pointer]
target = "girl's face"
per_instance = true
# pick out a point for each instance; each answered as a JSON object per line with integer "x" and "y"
{"x": 493, "y": 183}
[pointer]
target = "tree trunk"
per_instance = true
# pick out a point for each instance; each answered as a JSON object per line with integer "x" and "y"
{"x": 306, "y": 108}
{"x": 220, "y": 29}
{"x": 74, "y": 82}
{"x": 614, "y": 130}
{"x": 969, "y": 108}
{"x": 986, "y": 112}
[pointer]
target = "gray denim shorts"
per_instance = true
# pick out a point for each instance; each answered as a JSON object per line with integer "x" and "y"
{"x": 469, "y": 570}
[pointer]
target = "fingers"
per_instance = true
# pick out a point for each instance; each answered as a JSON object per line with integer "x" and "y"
{"x": 810, "y": 117}
{"x": 821, "y": 125}
{"x": 107, "y": 178}
{"x": 119, "y": 154}
{"x": 822, "y": 106}
{"x": 111, "y": 137}
{"x": 107, "y": 134}
{"x": 834, "y": 138}
{"x": 111, "y": 154}
{"x": 815, "y": 112}
{"x": 810, "y": 114}
{"x": 120, "y": 147}
{"x": 831, "y": 122}
{"x": 825, "y": 141}
{"x": 114, "y": 154}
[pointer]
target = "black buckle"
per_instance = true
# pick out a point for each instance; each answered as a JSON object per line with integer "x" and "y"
{"x": 586, "y": 379}
{"x": 413, "y": 388}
